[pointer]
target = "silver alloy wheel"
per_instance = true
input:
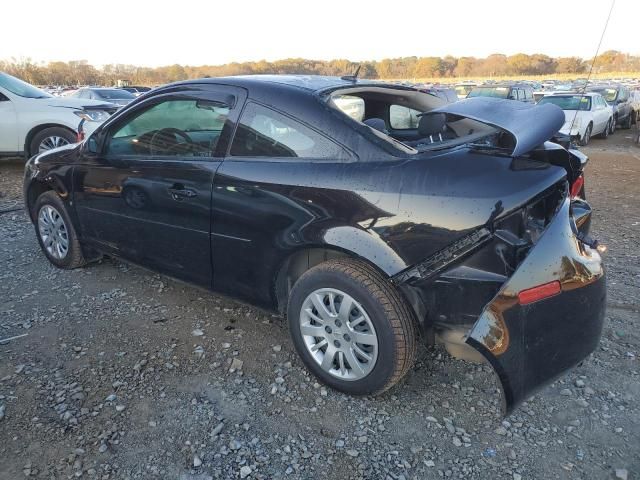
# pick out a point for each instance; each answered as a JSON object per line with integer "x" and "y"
{"x": 53, "y": 232}
{"x": 51, "y": 142}
{"x": 338, "y": 334}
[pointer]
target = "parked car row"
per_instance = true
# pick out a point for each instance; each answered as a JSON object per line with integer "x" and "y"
{"x": 34, "y": 120}
{"x": 594, "y": 109}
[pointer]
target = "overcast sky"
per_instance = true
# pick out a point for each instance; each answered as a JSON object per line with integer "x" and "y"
{"x": 211, "y": 32}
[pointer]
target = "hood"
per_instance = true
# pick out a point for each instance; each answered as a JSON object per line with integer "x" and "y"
{"x": 569, "y": 115}
{"x": 121, "y": 101}
{"x": 530, "y": 125}
{"x": 77, "y": 103}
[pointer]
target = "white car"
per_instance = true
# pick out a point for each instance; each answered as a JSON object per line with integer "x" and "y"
{"x": 586, "y": 114}
{"x": 33, "y": 121}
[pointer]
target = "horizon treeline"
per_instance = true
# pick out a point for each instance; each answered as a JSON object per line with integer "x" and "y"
{"x": 497, "y": 65}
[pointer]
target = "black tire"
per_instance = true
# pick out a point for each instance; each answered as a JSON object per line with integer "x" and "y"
{"x": 51, "y": 132}
{"x": 605, "y": 132}
{"x": 627, "y": 123}
{"x": 584, "y": 141}
{"x": 389, "y": 312}
{"x": 74, "y": 257}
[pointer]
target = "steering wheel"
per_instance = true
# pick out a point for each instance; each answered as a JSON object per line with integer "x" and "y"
{"x": 165, "y": 140}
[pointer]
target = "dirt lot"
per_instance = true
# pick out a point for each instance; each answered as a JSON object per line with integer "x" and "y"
{"x": 127, "y": 374}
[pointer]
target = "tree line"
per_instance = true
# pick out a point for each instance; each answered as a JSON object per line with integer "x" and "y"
{"x": 498, "y": 65}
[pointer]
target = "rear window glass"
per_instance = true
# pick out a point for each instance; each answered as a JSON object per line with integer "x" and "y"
{"x": 114, "y": 94}
{"x": 574, "y": 102}
{"x": 609, "y": 94}
{"x": 496, "y": 92}
{"x": 263, "y": 132}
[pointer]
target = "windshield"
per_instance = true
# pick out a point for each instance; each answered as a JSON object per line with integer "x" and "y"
{"x": 20, "y": 88}
{"x": 114, "y": 94}
{"x": 496, "y": 92}
{"x": 573, "y": 102}
{"x": 609, "y": 94}
{"x": 463, "y": 90}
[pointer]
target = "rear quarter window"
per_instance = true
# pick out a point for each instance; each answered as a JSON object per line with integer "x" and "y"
{"x": 263, "y": 132}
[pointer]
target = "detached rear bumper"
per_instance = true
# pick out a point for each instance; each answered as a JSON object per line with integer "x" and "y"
{"x": 530, "y": 345}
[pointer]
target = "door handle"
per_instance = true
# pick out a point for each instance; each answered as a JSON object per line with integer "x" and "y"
{"x": 179, "y": 192}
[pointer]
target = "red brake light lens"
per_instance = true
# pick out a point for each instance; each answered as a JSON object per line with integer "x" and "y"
{"x": 576, "y": 186}
{"x": 540, "y": 292}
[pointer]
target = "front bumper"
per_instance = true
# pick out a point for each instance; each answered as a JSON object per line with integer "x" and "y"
{"x": 574, "y": 133}
{"x": 530, "y": 345}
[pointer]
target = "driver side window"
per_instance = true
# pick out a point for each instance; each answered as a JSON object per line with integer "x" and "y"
{"x": 174, "y": 128}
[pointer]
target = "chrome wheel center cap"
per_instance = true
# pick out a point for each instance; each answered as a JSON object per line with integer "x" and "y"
{"x": 338, "y": 334}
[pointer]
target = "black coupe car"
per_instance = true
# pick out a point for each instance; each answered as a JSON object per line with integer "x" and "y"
{"x": 457, "y": 223}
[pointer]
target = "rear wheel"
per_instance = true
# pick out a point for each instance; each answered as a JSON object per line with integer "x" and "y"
{"x": 351, "y": 327}
{"x": 587, "y": 136}
{"x": 605, "y": 132}
{"x": 50, "y": 138}
{"x": 55, "y": 232}
{"x": 627, "y": 123}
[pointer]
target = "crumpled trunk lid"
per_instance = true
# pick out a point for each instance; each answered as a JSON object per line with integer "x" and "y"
{"x": 530, "y": 125}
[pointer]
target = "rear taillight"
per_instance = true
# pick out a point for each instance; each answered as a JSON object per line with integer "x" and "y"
{"x": 540, "y": 292}
{"x": 576, "y": 186}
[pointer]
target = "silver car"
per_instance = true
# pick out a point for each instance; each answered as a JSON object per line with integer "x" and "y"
{"x": 116, "y": 96}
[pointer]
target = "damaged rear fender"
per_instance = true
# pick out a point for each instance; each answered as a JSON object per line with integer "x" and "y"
{"x": 530, "y": 344}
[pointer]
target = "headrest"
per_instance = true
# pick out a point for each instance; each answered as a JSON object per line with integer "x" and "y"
{"x": 431, "y": 123}
{"x": 376, "y": 123}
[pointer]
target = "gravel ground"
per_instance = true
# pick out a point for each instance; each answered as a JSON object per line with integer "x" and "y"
{"x": 127, "y": 374}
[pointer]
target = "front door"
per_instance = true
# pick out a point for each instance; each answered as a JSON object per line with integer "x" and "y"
{"x": 147, "y": 195}
{"x": 8, "y": 126}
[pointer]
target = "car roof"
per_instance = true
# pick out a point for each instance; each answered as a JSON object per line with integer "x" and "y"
{"x": 505, "y": 85}
{"x": 309, "y": 83}
{"x": 601, "y": 86}
{"x": 575, "y": 94}
{"x": 102, "y": 88}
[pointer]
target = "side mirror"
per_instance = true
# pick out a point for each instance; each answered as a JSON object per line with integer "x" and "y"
{"x": 92, "y": 145}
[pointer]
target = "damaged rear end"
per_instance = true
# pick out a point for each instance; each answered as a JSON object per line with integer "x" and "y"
{"x": 526, "y": 290}
{"x": 548, "y": 316}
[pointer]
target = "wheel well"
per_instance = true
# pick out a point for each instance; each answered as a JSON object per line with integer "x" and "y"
{"x": 34, "y": 191}
{"x": 37, "y": 129}
{"x": 299, "y": 262}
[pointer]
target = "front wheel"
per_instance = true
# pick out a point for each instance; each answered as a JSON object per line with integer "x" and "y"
{"x": 627, "y": 123}
{"x": 587, "y": 136}
{"x": 55, "y": 232}
{"x": 607, "y": 128}
{"x": 351, "y": 327}
{"x": 50, "y": 138}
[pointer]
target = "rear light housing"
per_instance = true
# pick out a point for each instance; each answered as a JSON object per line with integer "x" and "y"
{"x": 540, "y": 292}
{"x": 577, "y": 187}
